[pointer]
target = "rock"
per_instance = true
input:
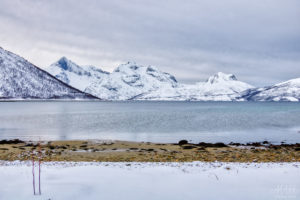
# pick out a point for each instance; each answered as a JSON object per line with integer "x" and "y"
{"x": 274, "y": 147}
{"x": 28, "y": 145}
{"x": 297, "y": 149}
{"x": 15, "y": 141}
{"x": 201, "y": 149}
{"x": 150, "y": 150}
{"x": 204, "y": 144}
{"x": 182, "y": 142}
{"x": 255, "y": 144}
{"x": 218, "y": 144}
{"x": 235, "y": 144}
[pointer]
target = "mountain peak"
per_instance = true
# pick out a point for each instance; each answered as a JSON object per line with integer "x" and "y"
{"x": 63, "y": 59}
{"x": 291, "y": 82}
{"x": 130, "y": 65}
{"x": 64, "y": 63}
{"x": 220, "y": 76}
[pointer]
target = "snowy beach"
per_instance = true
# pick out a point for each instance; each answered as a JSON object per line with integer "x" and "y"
{"x": 189, "y": 180}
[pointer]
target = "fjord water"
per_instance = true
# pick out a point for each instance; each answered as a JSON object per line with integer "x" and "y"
{"x": 152, "y": 121}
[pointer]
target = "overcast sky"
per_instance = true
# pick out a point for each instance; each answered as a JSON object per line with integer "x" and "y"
{"x": 257, "y": 40}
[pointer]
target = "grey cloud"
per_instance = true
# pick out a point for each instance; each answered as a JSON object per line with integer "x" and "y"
{"x": 256, "y": 40}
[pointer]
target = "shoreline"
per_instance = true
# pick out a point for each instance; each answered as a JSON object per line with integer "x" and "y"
{"x": 126, "y": 151}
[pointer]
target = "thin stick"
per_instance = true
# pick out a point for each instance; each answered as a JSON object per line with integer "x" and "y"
{"x": 33, "y": 180}
{"x": 39, "y": 169}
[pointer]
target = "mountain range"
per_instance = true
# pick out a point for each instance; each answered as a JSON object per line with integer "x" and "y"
{"x": 64, "y": 79}
{"x": 135, "y": 82}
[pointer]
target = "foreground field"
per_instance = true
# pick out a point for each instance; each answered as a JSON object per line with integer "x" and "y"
{"x": 155, "y": 181}
{"x": 122, "y": 151}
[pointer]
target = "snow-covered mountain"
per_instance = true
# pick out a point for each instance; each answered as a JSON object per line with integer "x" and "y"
{"x": 285, "y": 91}
{"x": 77, "y": 76}
{"x": 220, "y": 87}
{"x": 126, "y": 82}
{"x": 129, "y": 81}
{"x": 19, "y": 79}
{"x": 135, "y": 82}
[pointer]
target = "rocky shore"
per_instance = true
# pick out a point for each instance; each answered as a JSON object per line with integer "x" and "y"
{"x": 124, "y": 151}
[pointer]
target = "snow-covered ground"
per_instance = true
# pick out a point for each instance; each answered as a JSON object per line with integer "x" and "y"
{"x": 139, "y": 181}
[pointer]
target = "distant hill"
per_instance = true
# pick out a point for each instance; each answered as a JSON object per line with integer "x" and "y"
{"x": 19, "y": 79}
{"x": 285, "y": 91}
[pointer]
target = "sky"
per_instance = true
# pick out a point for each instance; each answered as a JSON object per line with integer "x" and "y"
{"x": 257, "y": 40}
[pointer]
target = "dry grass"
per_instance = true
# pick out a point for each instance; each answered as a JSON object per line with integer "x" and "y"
{"x": 118, "y": 151}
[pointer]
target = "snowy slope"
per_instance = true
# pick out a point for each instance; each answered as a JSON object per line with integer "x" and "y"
{"x": 285, "y": 91}
{"x": 19, "y": 79}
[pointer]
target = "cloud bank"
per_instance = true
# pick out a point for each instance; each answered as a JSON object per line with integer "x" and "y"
{"x": 257, "y": 40}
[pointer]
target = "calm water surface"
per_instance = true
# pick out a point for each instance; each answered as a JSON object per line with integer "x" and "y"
{"x": 151, "y": 121}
